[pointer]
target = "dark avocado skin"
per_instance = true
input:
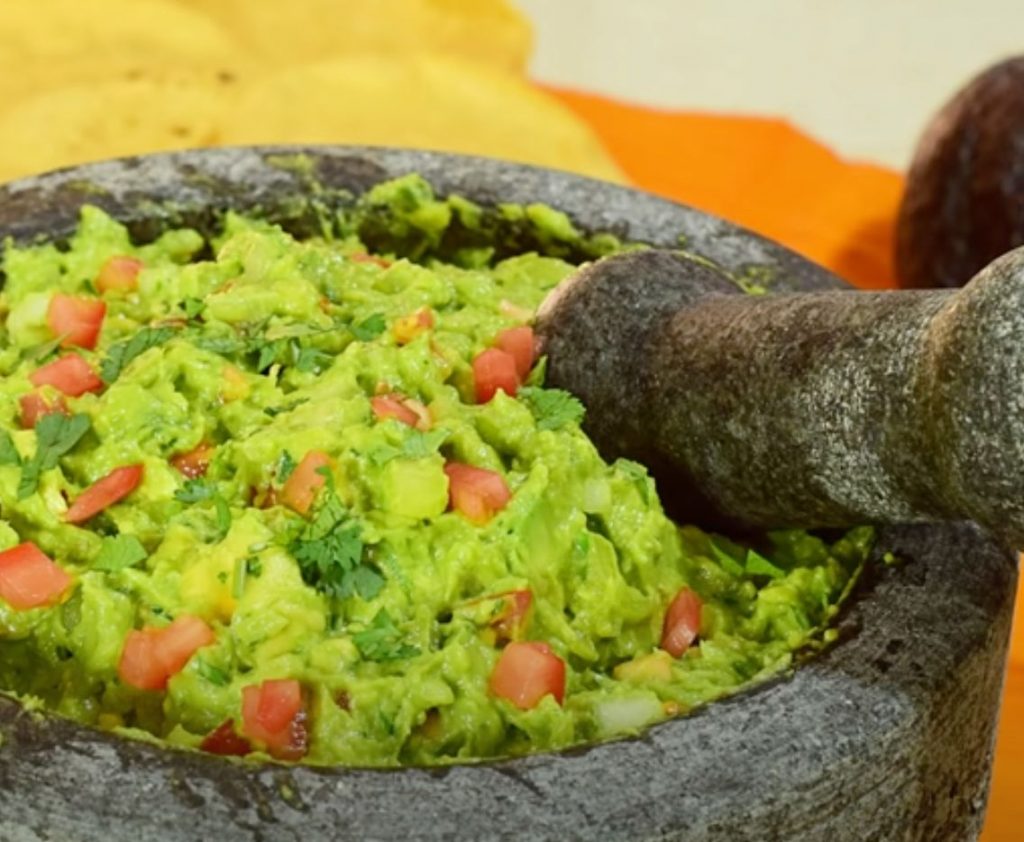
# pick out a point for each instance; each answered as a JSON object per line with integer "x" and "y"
{"x": 963, "y": 204}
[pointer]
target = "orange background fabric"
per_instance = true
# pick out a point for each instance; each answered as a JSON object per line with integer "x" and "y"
{"x": 768, "y": 176}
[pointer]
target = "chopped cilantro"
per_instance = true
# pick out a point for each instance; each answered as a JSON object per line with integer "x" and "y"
{"x": 215, "y": 675}
{"x": 329, "y": 551}
{"x": 369, "y": 328}
{"x": 310, "y": 360}
{"x": 8, "y": 452}
{"x": 728, "y": 563}
{"x": 193, "y": 307}
{"x": 119, "y": 552}
{"x": 253, "y": 567}
{"x": 285, "y": 466}
{"x": 553, "y": 408}
{"x": 758, "y": 565}
{"x": 201, "y": 491}
{"x": 123, "y": 353}
{"x": 56, "y": 434}
{"x": 418, "y": 445}
{"x": 382, "y": 641}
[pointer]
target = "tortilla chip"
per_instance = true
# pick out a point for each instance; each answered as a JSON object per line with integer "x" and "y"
{"x": 424, "y": 101}
{"x": 46, "y": 44}
{"x": 108, "y": 119}
{"x": 276, "y": 32}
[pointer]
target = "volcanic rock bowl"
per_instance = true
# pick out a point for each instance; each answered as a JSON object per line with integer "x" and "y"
{"x": 888, "y": 735}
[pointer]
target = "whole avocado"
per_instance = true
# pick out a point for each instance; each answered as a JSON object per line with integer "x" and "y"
{"x": 963, "y": 204}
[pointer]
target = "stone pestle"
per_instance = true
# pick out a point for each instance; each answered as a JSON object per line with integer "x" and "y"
{"x": 823, "y": 409}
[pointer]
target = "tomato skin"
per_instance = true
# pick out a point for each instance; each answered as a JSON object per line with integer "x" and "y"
{"x": 70, "y": 374}
{"x": 225, "y": 741}
{"x": 34, "y": 406}
{"x": 682, "y": 623}
{"x": 151, "y": 657}
{"x": 494, "y": 369}
{"x": 77, "y": 319}
{"x": 476, "y": 493}
{"x": 274, "y": 714}
{"x": 29, "y": 578}
{"x": 518, "y": 341}
{"x": 193, "y": 463}
{"x": 115, "y": 486}
{"x": 393, "y": 406}
{"x": 299, "y": 490}
{"x": 120, "y": 273}
{"x": 526, "y": 672}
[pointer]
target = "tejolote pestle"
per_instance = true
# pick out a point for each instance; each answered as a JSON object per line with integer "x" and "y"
{"x": 820, "y": 409}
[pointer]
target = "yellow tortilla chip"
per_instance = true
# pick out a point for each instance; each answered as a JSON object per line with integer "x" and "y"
{"x": 51, "y": 43}
{"x": 281, "y": 32}
{"x": 424, "y": 101}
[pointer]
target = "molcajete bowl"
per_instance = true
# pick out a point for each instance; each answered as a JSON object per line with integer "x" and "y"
{"x": 887, "y": 735}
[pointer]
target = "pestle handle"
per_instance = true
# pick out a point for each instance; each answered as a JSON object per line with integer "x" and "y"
{"x": 810, "y": 409}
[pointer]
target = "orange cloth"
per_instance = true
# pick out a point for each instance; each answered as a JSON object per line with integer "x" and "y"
{"x": 768, "y": 176}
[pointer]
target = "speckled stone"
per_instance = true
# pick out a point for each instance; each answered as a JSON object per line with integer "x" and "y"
{"x": 887, "y": 736}
{"x": 821, "y": 409}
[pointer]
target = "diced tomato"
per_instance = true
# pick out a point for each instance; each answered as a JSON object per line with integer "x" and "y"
{"x": 477, "y": 493}
{"x": 407, "y": 328}
{"x": 682, "y": 623}
{"x": 494, "y": 369}
{"x": 34, "y": 406}
{"x": 392, "y": 406}
{"x": 511, "y": 621}
{"x": 29, "y": 578}
{"x": 363, "y": 257}
{"x": 151, "y": 657}
{"x": 116, "y": 485}
{"x": 274, "y": 715}
{"x": 78, "y": 320}
{"x": 225, "y": 741}
{"x": 527, "y": 672}
{"x": 70, "y": 374}
{"x": 194, "y": 462}
{"x": 299, "y": 490}
{"x": 518, "y": 341}
{"x": 121, "y": 273}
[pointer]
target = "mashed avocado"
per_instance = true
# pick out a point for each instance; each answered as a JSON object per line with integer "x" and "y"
{"x": 262, "y": 495}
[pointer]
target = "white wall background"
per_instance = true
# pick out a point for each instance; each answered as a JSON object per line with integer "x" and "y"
{"x": 863, "y": 75}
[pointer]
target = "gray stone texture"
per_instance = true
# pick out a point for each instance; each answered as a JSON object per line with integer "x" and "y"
{"x": 823, "y": 409}
{"x": 886, "y": 736}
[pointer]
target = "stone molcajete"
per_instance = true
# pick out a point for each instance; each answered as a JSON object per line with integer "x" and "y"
{"x": 887, "y": 735}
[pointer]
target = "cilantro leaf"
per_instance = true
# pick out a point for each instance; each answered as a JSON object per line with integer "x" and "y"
{"x": 329, "y": 551}
{"x": 726, "y": 560}
{"x": 123, "y": 353}
{"x": 38, "y": 353}
{"x": 201, "y": 491}
{"x": 119, "y": 552}
{"x": 369, "y": 328}
{"x": 8, "y": 452}
{"x": 758, "y": 565}
{"x": 418, "y": 445}
{"x": 56, "y": 434}
{"x": 285, "y": 466}
{"x": 215, "y": 675}
{"x": 310, "y": 360}
{"x": 553, "y": 408}
{"x": 382, "y": 640}
{"x": 193, "y": 307}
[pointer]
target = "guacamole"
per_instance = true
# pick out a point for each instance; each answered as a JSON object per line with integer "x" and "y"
{"x": 310, "y": 499}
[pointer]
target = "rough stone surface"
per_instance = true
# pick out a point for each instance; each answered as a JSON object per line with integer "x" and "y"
{"x": 887, "y": 736}
{"x": 820, "y": 409}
